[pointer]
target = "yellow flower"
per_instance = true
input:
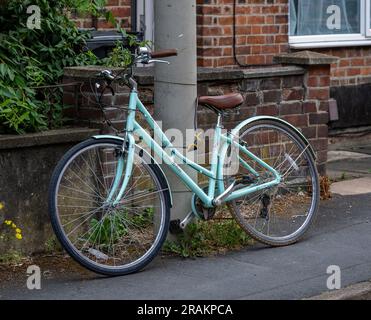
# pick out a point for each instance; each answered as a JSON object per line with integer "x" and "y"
{"x": 8, "y": 222}
{"x": 18, "y": 236}
{"x": 18, "y": 230}
{"x": 14, "y": 226}
{"x": 1, "y": 206}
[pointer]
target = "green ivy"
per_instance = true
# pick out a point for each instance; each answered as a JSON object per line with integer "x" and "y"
{"x": 30, "y": 58}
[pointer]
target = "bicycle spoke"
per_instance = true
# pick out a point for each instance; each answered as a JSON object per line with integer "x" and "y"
{"x": 276, "y": 212}
{"x": 105, "y": 235}
{"x": 79, "y": 191}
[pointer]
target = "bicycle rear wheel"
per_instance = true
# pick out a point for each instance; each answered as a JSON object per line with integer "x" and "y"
{"x": 105, "y": 238}
{"x": 279, "y": 215}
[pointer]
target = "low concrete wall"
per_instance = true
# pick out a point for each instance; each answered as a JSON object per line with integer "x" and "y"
{"x": 26, "y": 165}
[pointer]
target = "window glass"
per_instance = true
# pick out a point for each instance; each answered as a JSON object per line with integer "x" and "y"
{"x": 324, "y": 17}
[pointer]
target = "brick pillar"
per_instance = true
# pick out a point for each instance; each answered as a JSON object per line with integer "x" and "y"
{"x": 316, "y": 98}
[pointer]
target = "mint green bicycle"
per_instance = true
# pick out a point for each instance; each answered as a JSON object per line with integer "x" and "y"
{"x": 109, "y": 199}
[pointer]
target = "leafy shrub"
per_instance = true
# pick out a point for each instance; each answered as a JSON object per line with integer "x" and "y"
{"x": 30, "y": 58}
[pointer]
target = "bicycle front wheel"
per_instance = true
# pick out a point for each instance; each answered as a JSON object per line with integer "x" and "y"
{"x": 279, "y": 215}
{"x": 107, "y": 238}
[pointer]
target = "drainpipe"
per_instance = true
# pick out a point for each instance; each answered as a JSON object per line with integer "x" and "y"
{"x": 134, "y": 20}
{"x": 176, "y": 84}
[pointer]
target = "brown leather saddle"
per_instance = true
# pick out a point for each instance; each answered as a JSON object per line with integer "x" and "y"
{"x": 224, "y": 102}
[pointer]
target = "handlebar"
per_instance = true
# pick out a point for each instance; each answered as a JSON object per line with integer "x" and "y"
{"x": 144, "y": 56}
{"x": 164, "y": 53}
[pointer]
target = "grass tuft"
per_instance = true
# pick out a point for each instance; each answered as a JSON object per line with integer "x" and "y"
{"x": 12, "y": 257}
{"x": 205, "y": 238}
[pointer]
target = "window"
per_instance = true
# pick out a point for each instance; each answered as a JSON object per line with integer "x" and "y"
{"x": 329, "y": 23}
{"x": 145, "y": 18}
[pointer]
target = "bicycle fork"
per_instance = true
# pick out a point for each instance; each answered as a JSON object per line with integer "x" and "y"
{"x": 127, "y": 152}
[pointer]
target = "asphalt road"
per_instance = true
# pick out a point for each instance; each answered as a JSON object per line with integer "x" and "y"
{"x": 341, "y": 236}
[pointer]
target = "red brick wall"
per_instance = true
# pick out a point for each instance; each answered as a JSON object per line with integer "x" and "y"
{"x": 301, "y": 98}
{"x": 120, "y": 9}
{"x": 261, "y": 31}
{"x": 353, "y": 66}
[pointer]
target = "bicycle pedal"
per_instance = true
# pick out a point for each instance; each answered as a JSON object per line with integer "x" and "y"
{"x": 175, "y": 227}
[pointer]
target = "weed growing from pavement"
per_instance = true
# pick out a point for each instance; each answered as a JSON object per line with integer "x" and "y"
{"x": 11, "y": 257}
{"x": 325, "y": 185}
{"x": 10, "y": 225}
{"x": 52, "y": 246}
{"x": 204, "y": 238}
{"x": 11, "y": 231}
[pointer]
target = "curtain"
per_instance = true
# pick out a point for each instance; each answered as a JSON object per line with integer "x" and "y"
{"x": 310, "y": 17}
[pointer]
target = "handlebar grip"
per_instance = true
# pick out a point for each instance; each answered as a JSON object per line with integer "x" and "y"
{"x": 164, "y": 53}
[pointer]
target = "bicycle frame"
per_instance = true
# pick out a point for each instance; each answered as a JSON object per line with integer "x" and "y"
{"x": 215, "y": 174}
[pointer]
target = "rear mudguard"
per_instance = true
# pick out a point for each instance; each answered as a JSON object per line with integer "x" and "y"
{"x": 237, "y": 129}
{"x": 235, "y": 133}
{"x": 148, "y": 159}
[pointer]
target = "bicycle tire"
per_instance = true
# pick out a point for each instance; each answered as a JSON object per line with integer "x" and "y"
{"x": 288, "y": 240}
{"x": 58, "y": 229}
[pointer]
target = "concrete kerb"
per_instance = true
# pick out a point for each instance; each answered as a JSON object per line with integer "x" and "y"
{"x": 359, "y": 291}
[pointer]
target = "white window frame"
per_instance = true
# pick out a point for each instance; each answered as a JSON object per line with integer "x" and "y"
{"x": 145, "y": 16}
{"x": 368, "y": 18}
{"x": 325, "y": 41}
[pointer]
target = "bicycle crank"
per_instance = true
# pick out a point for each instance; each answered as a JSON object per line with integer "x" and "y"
{"x": 200, "y": 210}
{"x": 177, "y": 226}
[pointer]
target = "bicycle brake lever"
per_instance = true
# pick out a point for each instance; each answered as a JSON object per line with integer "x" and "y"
{"x": 107, "y": 74}
{"x": 111, "y": 89}
{"x": 158, "y": 61}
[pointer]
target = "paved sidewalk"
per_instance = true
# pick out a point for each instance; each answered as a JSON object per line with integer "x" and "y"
{"x": 352, "y": 187}
{"x": 341, "y": 236}
{"x": 345, "y": 165}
